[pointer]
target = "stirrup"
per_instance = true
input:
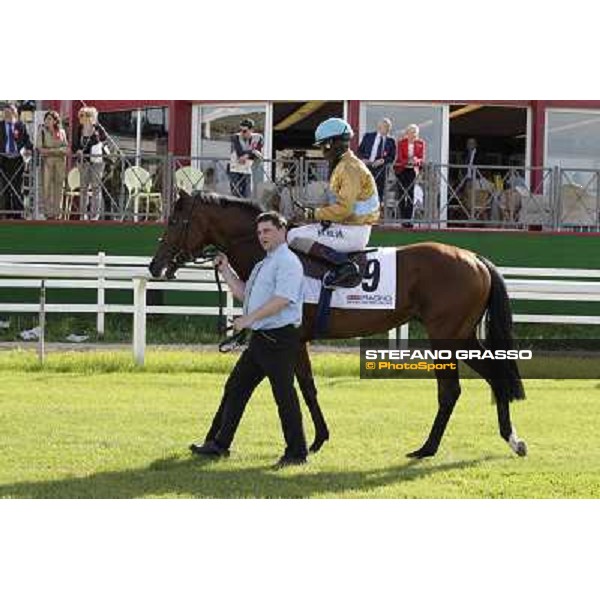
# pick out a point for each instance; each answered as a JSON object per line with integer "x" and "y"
{"x": 342, "y": 278}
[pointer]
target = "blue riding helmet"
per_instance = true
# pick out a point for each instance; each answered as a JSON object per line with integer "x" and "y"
{"x": 332, "y": 128}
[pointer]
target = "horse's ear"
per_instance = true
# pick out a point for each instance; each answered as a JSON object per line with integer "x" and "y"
{"x": 182, "y": 196}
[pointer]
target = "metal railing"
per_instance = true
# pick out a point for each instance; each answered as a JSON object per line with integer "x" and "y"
{"x": 142, "y": 187}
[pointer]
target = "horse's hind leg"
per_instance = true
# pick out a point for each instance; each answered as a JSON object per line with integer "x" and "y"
{"x": 485, "y": 368}
{"x": 306, "y": 382}
{"x": 448, "y": 392}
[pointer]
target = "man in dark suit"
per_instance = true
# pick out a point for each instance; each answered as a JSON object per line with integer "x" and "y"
{"x": 14, "y": 145}
{"x": 378, "y": 150}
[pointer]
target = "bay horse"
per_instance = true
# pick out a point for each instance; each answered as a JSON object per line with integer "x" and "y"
{"x": 447, "y": 288}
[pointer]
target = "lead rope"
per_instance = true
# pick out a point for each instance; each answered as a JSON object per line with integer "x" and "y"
{"x": 222, "y": 320}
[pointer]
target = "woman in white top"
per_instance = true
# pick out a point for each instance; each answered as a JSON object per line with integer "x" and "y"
{"x": 88, "y": 147}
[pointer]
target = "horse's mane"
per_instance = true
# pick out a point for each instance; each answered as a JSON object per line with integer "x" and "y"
{"x": 226, "y": 201}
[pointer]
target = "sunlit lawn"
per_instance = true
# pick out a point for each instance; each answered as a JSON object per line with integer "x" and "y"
{"x": 93, "y": 425}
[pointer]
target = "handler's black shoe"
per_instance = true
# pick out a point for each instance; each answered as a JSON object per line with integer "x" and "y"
{"x": 290, "y": 461}
{"x": 209, "y": 449}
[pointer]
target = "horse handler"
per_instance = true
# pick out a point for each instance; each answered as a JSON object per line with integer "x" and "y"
{"x": 272, "y": 298}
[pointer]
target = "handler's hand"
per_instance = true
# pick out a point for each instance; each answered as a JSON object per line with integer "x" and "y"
{"x": 221, "y": 262}
{"x": 241, "y": 323}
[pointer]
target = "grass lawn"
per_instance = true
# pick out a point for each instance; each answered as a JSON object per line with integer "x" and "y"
{"x": 92, "y": 425}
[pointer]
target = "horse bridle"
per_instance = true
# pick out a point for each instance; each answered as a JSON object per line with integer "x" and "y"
{"x": 207, "y": 254}
{"x": 180, "y": 256}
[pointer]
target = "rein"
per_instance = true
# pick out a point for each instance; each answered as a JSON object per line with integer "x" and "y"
{"x": 208, "y": 253}
{"x": 234, "y": 342}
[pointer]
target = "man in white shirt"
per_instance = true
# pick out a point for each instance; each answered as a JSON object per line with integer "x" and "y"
{"x": 470, "y": 176}
{"x": 470, "y": 158}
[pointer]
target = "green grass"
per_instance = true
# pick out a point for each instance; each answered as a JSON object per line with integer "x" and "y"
{"x": 187, "y": 329}
{"x": 92, "y": 425}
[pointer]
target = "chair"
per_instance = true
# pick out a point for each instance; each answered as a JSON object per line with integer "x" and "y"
{"x": 138, "y": 183}
{"x": 189, "y": 180}
{"x": 579, "y": 207}
{"x": 511, "y": 201}
{"x": 73, "y": 185}
{"x": 536, "y": 210}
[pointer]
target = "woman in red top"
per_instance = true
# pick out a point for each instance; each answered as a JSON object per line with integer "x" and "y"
{"x": 409, "y": 159}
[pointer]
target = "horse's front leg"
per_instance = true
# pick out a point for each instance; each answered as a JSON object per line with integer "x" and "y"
{"x": 306, "y": 382}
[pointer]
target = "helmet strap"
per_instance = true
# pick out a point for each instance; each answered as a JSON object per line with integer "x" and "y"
{"x": 340, "y": 147}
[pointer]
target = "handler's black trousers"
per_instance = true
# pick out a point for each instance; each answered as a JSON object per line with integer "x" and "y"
{"x": 272, "y": 353}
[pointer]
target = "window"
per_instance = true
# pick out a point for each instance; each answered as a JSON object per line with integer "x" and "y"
{"x": 429, "y": 118}
{"x": 155, "y": 130}
{"x": 148, "y": 151}
{"x": 212, "y": 139}
{"x": 218, "y": 123}
{"x": 121, "y": 127}
{"x": 573, "y": 144}
{"x": 573, "y": 139}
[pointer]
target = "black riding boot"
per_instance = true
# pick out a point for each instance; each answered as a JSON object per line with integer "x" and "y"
{"x": 345, "y": 273}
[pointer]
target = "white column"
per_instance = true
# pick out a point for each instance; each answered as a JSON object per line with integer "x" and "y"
{"x": 400, "y": 333}
{"x": 138, "y": 137}
{"x": 42, "y": 323}
{"x": 101, "y": 296}
{"x": 444, "y": 173}
{"x": 404, "y": 336}
{"x": 268, "y": 133}
{"x": 139, "y": 319}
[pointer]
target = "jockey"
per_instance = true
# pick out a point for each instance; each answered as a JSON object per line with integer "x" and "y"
{"x": 345, "y": 223}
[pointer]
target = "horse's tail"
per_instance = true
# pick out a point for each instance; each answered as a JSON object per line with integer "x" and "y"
{"x": 507, "y": 384}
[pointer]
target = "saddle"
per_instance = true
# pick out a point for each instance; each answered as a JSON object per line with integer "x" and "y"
{"x": 317, "y": 268}
{"x": 333, "y": 274}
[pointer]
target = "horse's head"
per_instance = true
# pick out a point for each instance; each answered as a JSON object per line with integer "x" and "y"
{"x": 186, "y": 235}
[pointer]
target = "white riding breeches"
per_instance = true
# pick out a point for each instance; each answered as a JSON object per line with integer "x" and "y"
{"x": 344, "y": 238}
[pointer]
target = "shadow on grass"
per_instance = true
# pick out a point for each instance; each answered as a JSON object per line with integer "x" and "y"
{"x": 198, "y": 478}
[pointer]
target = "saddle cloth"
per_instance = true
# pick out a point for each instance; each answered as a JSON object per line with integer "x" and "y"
{"x": 377, "y": 290}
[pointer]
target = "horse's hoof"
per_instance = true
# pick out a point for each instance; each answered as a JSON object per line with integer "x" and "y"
{"x": 318, "y": 443}
{"x": 518, "y": 446}
{"x": 521, "y": 448}
{"x": 423, "y": 452}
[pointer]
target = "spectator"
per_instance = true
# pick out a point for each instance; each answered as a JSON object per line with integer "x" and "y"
{"x": 470, "y": 160}
{"x": 246, "y": 147}
{"x": 470, "y": 181}
{"x": 15, "y": 145}
{"x": 409, "y": 160}
{"x": 52, "y": 145}
{"x": 88, "y": 146}
{"x": 378, "y": 150}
